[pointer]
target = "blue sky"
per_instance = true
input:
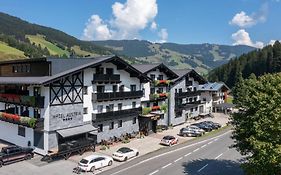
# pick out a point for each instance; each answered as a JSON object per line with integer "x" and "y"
{"x": 250, "y": 22}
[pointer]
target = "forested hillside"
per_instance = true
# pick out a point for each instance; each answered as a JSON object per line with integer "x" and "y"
{"x": 259, "y": 62}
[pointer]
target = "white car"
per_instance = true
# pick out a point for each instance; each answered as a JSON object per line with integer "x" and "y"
{"x": 93, "y": 162}
{"x": 169, "y": 140}
{"x": 125, "y": 153}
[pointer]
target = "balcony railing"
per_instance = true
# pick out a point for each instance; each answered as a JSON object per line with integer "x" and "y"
{"x": 106, "y": 78}
{"x": 112, "y": 115}
{"x": 33, "y": 101}
{"x": 187, "y": 94}
{"x": 21, "y": 120}
{"x": 158, "y": 96}
{"x": 108, "y": 96}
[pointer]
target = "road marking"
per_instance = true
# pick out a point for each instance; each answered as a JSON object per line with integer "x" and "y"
{"x": 216, "y": 139}
{"x": 187, "y": 155}
{"x": 203, "y": 146}
{"x": 195, "y": 150}
{"x": 166, "y": 165}
{"x": 172, "y": 151}
{"x": 153, "y": 172}
{"x": 219, "y": 156}
{"x": 202, "y": 168}
{"x": 178, "y": 159}
{"x": 210, "y": 142}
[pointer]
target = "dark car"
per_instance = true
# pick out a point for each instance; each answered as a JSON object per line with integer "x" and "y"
{"x": 213, "y": 124}
{"x": 190, "y": 132}
{"x": 11, "y": 154}
{"x": 203, "y": 126}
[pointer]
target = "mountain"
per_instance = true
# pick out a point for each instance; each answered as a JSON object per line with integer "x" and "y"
{"x": 202, "y": 57}
{"x": 21, "y": 39}
{"x": 258, "y": 62}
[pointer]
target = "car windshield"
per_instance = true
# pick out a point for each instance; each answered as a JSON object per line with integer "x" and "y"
{"x": 123, "y": 150}
{"x": 84, "y": 161}
{"x": 168, "y": 138}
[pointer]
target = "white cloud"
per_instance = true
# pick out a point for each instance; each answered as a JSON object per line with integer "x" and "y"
{"x": 243, "y": 20}
{"x": 153, "y": 26}
{"x": 241, "y": 37}
{"x": 163, "y": 34}
{"x": 128, "y": 20}
{"x": 96, "y": 29}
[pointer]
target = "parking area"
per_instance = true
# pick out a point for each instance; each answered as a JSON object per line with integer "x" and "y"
{"x": 144, "y": 145}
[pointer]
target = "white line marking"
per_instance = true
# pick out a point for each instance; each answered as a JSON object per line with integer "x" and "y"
{"x": 202, "y": 168}
{"x": 153, "y": 172}
{"x": 195, "y": 150}
{"x": 187, "y": 155}
{"x": 203, "y": 146}
{"x": 216, "y": 139}
{"x": 166, "y": 165}
{"x": 178, "y": 159}
{"x": 210, "y": 142}
{"x": 163, "y": 154}
{"x": 219, "y": 156}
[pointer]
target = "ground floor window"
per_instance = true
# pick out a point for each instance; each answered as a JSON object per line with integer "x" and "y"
{"x": 119, "y": 123}
{"x": 134, "y": 120}
{"x": 21, "y": 131}
{"x": 100, "y": 127}
{"x": 111, "y": 126}
{"x": 39, "y": 139}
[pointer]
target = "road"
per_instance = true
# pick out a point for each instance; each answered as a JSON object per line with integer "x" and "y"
{"x": 205, "y": 156}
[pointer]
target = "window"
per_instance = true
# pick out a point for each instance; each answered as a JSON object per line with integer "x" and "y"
{"x": 15, "y": 69}
{"x": 152, "y": 76}
{"x": 119, "y": 123}
{"x": 133, "y": 87}
{"x": 119, "y": 106}
{"x": 143, "y": 92}
{"x": 196, "y": 108}
{"x": 109, "y": 107}
{"x": 85, "y": 110}
{"x": 100, "y": 89}
{"x": 152, "y": 90}
{"x": 114, "y": 88}
{"x": 111, "y": 125}
{"x": 36, "y": 113}
{"x": 109, "y": 71}
{"x": 160, "y": 77}
{"x": 99, "y": 70}
{"x": 194, "y": 89}
{"x": 180, "y": 90}
{"x": 148, "y": 104}
{"x": 121, "y": 88}
{"x": 195, "y": 98}
{"x": 27, "y": 67}
{"x": 160, "y": 90}
{"x": 100, "y": 128}
{"x": 134, "y": 104}
{"x": 85, "y": 90}
{"x": 191, "y": 110}
{"x": 134, "y": 120}
{"x": 36, "y": 91}
{"x": 190, "y": 99}
{"x": 176, "y": 90}
{"x": 21, "y": 131}
{"x": 204, "y": 99}
{"x": 100, "y": 108}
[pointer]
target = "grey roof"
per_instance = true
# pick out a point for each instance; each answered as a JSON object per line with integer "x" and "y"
{"x": 144, "y": 68}
{"x": 181, "y": 72}
{"x": 212, "y": 86}
{"x": 61, "y": 67}
{"x": 76, "y": 130}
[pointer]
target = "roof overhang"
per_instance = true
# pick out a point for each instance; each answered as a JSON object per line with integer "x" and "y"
{"x": 77, "y": 130}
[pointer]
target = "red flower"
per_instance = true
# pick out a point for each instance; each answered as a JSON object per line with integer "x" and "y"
{"x": 156, "y": 108}
{"x": 162, "y": 95}
{"x": 163, "y": 81}
{"x": 11, "y": 116}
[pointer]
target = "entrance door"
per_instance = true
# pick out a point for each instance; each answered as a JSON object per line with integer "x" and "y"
{"x": 154, "y": 124}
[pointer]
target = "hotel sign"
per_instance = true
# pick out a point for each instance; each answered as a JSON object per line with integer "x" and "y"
{"x": 65, "y": 116}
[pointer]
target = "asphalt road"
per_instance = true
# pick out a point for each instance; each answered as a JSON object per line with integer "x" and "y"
{"x": 205, "y": 156}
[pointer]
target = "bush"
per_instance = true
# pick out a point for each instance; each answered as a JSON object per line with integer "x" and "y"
{"x": 146, "y": 110}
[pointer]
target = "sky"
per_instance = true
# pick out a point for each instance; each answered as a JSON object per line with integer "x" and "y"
{"x": 232, "y": 22}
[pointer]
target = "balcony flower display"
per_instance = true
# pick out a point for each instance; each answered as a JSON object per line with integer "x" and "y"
{"x": 146, "y": 110}
{"x": 13, "y": 118}
{"x": 162, "y": 82}
{"x": 22, "y": 99}
{"x": 154, "y": 108}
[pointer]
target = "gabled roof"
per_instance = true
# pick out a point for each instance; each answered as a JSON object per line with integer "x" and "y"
{"x": 216, "y": 86}
{"x": 146, "y": 68}
{"x": 62, "y": 67}
{"x": 182, "y": 73}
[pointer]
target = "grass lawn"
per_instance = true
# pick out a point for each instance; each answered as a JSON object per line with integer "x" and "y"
{"x": 80, "y": 52}
{"x": 8, "y": 53}
{"x": 53, "y": 49}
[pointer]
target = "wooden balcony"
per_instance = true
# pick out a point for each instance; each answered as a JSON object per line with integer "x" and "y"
{"x": 113, "y": 115}
{"x": 106, "y": 78}
{"x": 109, "y": 96}
{"x": 158, "y": 96}
{"x": 30, "y": 101}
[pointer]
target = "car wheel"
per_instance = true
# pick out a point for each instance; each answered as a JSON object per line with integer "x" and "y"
{"x": 126, "y": 158}
{"x": 92, "y": 169}
{"x": 137, "y": 153}
{"x": 28, "y": 157}
{"x": 170, "y": 144}
{"x": 1, "y": 164}
{"x": 185, "y": 135}
{"x": 110, "y": 163}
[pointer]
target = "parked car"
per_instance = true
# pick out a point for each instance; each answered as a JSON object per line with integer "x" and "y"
{"x": 192, "y": 131}
{"x": 203, "y": 126}
{"x": 125, "y": 153}
{"x": 169, "y": 140}
{"x": 11, "y": 154}
{"x": 213, "y": 124}
{"x": 93, "y": 162}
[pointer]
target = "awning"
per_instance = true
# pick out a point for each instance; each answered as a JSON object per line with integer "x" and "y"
{"x": 77, "y": 130}
{"x": 151, "y": 116}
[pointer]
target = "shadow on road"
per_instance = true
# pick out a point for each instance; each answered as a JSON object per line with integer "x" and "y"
{"x": 212, "y": 167}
